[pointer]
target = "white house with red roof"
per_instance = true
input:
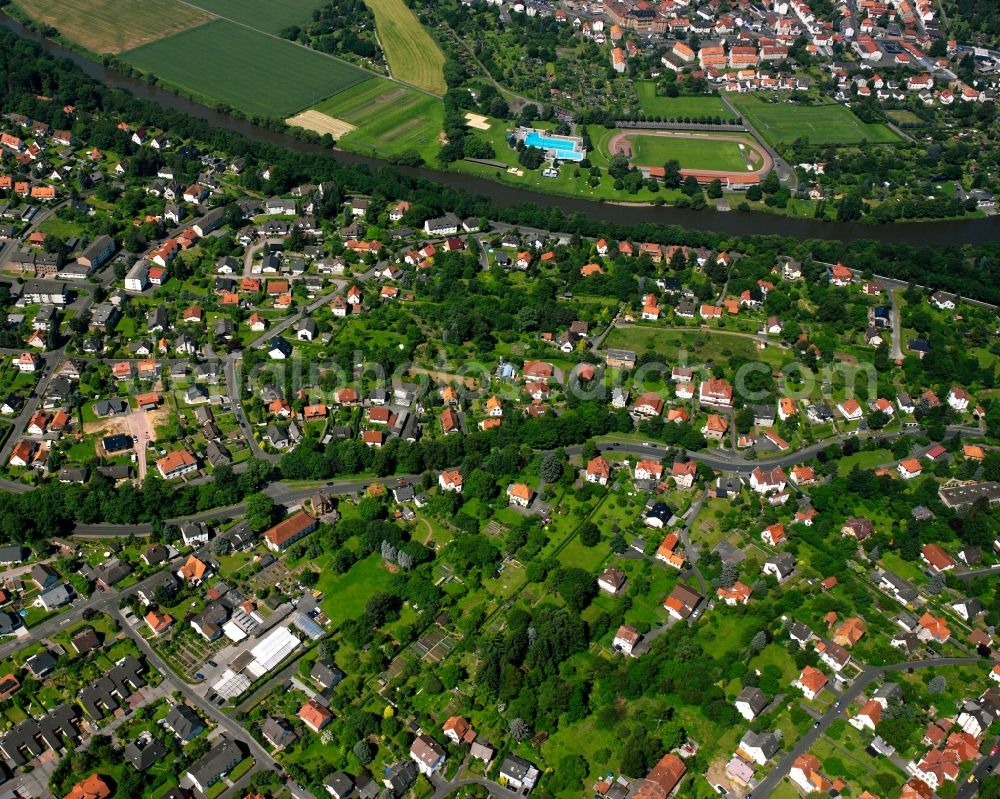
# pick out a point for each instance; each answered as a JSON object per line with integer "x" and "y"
{"x": 959, "y": 399}
{"x": 598, "y": 471}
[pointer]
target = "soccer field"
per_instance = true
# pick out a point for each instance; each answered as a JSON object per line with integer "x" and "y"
{"x": 675, "y": 107}
{"x": 388, "y": 117}
{"x": 264, "y": 15}
{"x": 249, "y": 70}
{"x": 111, "y": 26}
{"x": 412, "y": 54}
{"x": 822, "y": 124}
{"x": 691, "y": 153}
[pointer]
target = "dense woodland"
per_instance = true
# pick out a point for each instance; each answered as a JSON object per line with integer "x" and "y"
{"x": 343, "y": 27}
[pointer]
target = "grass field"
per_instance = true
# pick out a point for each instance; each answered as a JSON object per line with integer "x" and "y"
{"x": 700, "y": 346}
{"x": 388, "y": 117}
{"x": 112, "y": 26}
{"x": 412, "y": 54}
{"x": 264, "y": 15}
{"x": 249, "y": 70}
{"x": 823, "y": 124}
{"x": 691, "y": 153}
{"x": 903, "y": 117}
{"x": 673, "y": 107}
{"x": 345, "y": 595}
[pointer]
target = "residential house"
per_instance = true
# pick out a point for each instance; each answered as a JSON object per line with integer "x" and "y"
{"x": 626, "y": 639}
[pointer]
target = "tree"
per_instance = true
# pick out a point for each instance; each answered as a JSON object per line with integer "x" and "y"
{"x": 221, "y": 545}
{"x": 730, "y": 573}
{"x": 672, "y": 174}
{"x": 551, "y": 468}
{"x": 259, "y": 511}
{"x": 388, "y": 552}
{"x": 937, "y": 685}
{"x": 936, "y": 584}
{"x": 519, "y": 729}
{"x": 590, "y": 535}
{"x": 309, "y": 578}
{"x": 364, "y": 752}
{"x": 577, "y": 587}
{"x": 759, "y": 641}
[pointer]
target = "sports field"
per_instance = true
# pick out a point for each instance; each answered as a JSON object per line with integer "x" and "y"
{"x": 388, "y": 117}
{"x": 412, "y": 54}
{"x": 271, "y": 16}
{"x": 112, "y": 26}
{"x": 691, "y": 153}
{"x": 257, "y": 73}
{"x": 674, "y": 107}
{"x": 822, "y": 124}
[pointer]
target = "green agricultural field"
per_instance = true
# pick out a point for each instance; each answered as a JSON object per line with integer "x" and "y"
{"x": 821, "y": 124}
{"x": 111, "y": 26}
{"x": 653, "y": 104}
{"x": 264, "y": 15}
{"x": 388, "y": 117}
{"x": 412, "y": 54}
{"x": 691, "y": 153}
{"x": 257, "y": 73}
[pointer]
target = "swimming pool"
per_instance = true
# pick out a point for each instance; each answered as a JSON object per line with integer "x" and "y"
{"x": 564, "y": 149}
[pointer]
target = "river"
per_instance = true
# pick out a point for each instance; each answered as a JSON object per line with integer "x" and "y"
{"x": 735, "y": 223}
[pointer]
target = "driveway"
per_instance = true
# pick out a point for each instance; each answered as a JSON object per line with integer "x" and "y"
{"x": 142, "y": 431}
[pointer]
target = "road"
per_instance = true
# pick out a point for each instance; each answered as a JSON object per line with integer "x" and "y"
{"x": 235, "y": 391}
{"x": 281, "y": 493}
{"x": 288, "y": 321}
{"x": 983, "y": 769}
{"x": 973, "y": 573}
{"x": 767, "y": 785}
{"x": 684, "y": 533}
{"x": 729, "y": 461}
{"x": 443, "y": 787}
{"x": 897, "y": 335}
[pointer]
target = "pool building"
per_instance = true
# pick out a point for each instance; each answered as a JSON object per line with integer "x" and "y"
{"x": 563, "y": 148}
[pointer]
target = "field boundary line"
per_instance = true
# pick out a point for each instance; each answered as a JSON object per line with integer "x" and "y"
{"x": 311, "y": 50}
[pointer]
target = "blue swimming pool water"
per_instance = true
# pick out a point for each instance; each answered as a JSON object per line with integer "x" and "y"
{"x": 564, "y": 148}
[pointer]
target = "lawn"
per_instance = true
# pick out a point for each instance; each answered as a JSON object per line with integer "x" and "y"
{"x": 389, "y": 118}
{"x": 690, "y": 152}
{"x": 699, "y": 346}
{"x": 820, "y": 124}
{"x": 584, "y": 557}
{"x": 903, "y": 117}
{"x": 257, "y": 73}
{"x": 345, "y": 595}
{"x": 412, "y": 54}
{"x": 868, "y": 459}
{"x": 676, "y": 107}
{"x": 264, "y": 15}
{"x": 113, "y": 26}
